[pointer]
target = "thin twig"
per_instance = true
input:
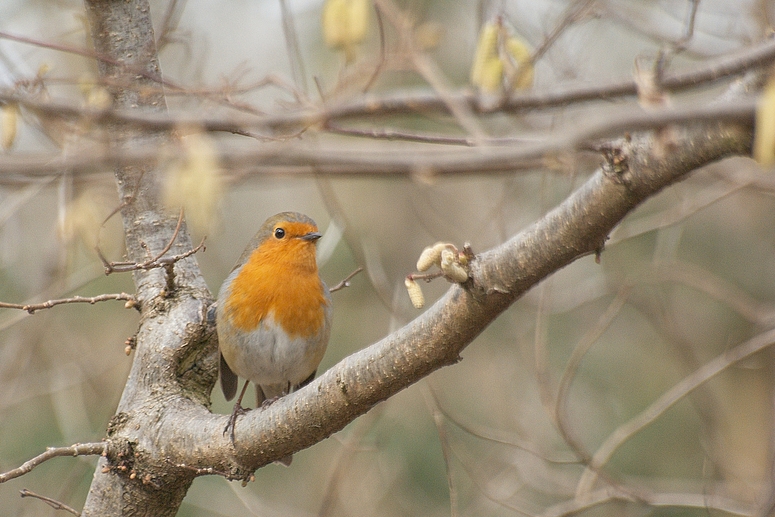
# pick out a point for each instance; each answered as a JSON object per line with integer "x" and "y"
{"x": 573, "y": 14}
{"x": 409, "y": 136}
{"x": 346, "y": 282}
{"x": 573, "y": 364}
{"x": 666, "y": 401}
{"x": 503, "y": 438}
{"x": 169, "y": 23}
{"x": 425, "y": 276}
{"x": 158, "y": 261}
{"x": 56, "y": 505}
{"x": 292, "y": 46}
{"x": 111, "y": 266}
{"x": 342, "y": 464}
{"x": 438, "y": 419}
{"x": 704, "y": 502}
{"x": 427, "y": 68}
{"x": 32, "y": 307}
{"x": 406, "y": 136}
{"x": 91, "y": 55}
{"x": 382, "y": 51}
{"x": 124, "y": 267}
{"x": 78, "y": 449}
{"x": 413, "y": 102}
{"x": 689, "y": 33}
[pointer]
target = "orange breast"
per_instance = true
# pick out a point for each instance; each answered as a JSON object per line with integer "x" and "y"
{"x": 279, "y": 278}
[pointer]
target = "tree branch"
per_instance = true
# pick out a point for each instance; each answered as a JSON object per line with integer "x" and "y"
{"x": 164, "y": 354}
{"x": 665, "y": 402}
{"x": 576, "y": 228}
{"x": 298, "y": 159}
{"x": 79, "y": 449}
{"x": 411, "y": 102}
{"x": 163, "y": 434}
{"x": 53, "y": 503}
{"x": 33, "y": 307}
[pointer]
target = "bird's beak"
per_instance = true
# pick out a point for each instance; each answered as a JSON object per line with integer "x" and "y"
{"x": 312, "y": 236}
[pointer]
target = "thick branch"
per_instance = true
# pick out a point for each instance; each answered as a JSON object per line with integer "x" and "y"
{"x": 122, "y": 32}
{"x": 163, "y": 434}
{"x": 576, "y": 228}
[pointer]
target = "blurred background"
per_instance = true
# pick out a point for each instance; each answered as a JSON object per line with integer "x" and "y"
{"x": 685, "y": 278}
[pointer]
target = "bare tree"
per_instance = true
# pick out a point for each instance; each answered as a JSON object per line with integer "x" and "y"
{"x": 671, "y": 122}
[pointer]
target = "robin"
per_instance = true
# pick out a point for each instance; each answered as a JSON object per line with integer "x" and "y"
{"x": 274, "y": 314}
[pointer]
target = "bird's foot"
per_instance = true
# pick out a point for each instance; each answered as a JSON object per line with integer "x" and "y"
{"x": 237, "y": 411}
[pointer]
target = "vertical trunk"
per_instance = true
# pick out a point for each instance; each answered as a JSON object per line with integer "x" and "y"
{"x": 123, "y": 36}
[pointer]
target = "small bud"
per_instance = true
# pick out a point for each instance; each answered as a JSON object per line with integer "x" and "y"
{"x": 415, "y": 293}
{"x": 430, "y": 256}
{"x": 130, "y": 304}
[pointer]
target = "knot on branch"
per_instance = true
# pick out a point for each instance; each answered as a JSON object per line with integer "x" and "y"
{"x": 120, "y": 453}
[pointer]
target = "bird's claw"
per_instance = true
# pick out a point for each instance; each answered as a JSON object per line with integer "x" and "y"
{"x": 269, "y": 402}
{"x": 237, "y": 411}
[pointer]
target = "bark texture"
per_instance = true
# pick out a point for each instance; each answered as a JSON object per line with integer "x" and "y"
{"x": 172, "y": 362}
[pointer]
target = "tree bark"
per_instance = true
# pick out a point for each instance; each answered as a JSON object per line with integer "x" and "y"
{"x": 163, "y": 434}
{"x": 122, "y": 33}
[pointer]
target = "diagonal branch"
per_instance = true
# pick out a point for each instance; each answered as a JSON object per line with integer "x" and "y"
{"x": 576, "y": 228}
{"x": 665, "y": 402}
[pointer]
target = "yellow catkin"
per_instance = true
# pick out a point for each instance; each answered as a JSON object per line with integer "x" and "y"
{"x": 415, "y": 293}
{"x": 519, "y": 51}
{"x": 9, "y": 125}
{"x": 345, "y": 23}
{"x": 764, "y": 135}
{"x": 430, "y": 256}
{"x": 501, "y": 60}
{"x": 486, "y": 51}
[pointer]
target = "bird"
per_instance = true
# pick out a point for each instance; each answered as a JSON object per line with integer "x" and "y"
{"x": 273, "y": 316}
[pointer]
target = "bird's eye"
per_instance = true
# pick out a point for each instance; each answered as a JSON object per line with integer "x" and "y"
{"x": 279, "y": 233}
